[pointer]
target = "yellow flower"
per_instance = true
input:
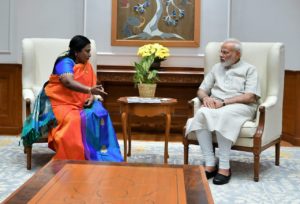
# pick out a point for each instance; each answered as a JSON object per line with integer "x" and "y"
{"x": 155, "y": 50}
{"x": 149, "y": 53}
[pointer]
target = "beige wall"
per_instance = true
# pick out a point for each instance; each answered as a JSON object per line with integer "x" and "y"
{"x": 249, "y": 20}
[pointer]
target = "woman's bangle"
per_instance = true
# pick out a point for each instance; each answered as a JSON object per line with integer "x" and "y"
{"x": 90, "y": 90}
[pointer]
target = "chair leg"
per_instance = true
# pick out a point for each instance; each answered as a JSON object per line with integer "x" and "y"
{"x": 214, "y": 148}
{"x": 256, "y": 166}
{"x": 186, "y": 152}
{"x": 277, "y": 154}
{"x": 28, "y": 152}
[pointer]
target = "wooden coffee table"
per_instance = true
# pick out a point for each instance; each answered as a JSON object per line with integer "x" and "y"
{"x": 68, "y": 181}
{"x": 127, "y": 109}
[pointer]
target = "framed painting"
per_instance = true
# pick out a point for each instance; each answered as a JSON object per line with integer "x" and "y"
{"x": 173, "y": 23}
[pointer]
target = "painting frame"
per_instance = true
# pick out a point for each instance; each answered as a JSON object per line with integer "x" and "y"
{"x": 193, "y": 42}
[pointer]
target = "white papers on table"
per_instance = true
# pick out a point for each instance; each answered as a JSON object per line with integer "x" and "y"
{"x": 145, "y": 100}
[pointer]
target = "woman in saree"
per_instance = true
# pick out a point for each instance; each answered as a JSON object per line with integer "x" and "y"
{"x": 82, "y": 128}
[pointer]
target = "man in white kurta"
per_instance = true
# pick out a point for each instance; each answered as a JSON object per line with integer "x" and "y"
{"x": 229, "y": 94}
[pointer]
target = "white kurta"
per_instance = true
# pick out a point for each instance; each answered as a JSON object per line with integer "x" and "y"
{"x": 222, "y": 83}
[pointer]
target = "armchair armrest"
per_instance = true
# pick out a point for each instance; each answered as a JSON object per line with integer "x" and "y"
{"x": 269, "y": 102}
{"x": 98, "y": 97}
{"x": 270, "y": 120}
{"x": 197, "y": 104}
{"x": 194, "y": 105}
{"x": 29, "y": 98}
{"x": 28, "y": 95}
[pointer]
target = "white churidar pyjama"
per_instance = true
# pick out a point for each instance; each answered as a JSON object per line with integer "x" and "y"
{"x": 204, "y": 138}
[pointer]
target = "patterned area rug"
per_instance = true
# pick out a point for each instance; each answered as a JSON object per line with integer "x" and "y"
{"x": 278, "y": 184}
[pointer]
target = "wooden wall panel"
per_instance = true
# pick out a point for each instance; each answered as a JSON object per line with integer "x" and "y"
{"x": 179, "y": 83}
{"x": 10, "y": 99}
{"x": 291, "y": 108}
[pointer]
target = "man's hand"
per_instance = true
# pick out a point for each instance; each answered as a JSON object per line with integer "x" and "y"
{"x": 209, "y": 102}
{"x": 212, "y": 103}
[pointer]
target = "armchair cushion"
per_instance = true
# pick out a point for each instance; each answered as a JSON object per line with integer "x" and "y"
{"x": 248, "y": 129}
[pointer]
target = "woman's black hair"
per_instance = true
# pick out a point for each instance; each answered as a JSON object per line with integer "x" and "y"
{"x": 77, "y": 43}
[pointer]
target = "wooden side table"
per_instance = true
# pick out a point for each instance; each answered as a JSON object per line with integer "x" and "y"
{"x": 142, "y": 109}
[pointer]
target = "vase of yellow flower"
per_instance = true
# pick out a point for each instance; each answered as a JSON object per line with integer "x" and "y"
{"x": 145, "y": 73}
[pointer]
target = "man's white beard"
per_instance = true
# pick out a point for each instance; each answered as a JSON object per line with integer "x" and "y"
{"x": 227, "y": 63}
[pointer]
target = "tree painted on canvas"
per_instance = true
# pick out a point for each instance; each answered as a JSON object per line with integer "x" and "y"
{"x": 170, "y": 12}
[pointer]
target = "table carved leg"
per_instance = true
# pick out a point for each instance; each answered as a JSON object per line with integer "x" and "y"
{"x": 129, "y": 136}
{"x": 124, "y": 128}
{"x": 168, "y": 125}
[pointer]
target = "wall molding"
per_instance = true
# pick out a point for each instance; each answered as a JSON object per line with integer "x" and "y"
{"x": 134, "y": 54}
{"x": 176, "y": 60}
{"x": 84, "y": 17}
{"x": 229, "y": 18}
{"x": 10, "y": 16}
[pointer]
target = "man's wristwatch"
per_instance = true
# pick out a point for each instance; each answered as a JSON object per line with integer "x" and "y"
{"x": 223, "y": 102}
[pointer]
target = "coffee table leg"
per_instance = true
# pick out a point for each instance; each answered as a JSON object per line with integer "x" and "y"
{"x": 129, "y": 135}
{"x": 124, "y": 128}
{"x": 168, "y": 125}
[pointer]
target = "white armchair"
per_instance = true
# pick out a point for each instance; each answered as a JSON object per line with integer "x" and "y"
{"x": 265, "y": 130}
{"x": 38, "y": 57}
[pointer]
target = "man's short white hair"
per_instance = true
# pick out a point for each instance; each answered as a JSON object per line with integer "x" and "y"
{"x": 236, "y": 42}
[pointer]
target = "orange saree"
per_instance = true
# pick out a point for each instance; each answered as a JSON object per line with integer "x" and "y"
{"x": 66, "y": 138}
